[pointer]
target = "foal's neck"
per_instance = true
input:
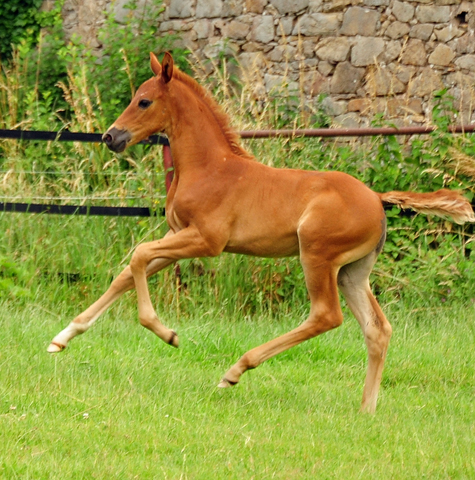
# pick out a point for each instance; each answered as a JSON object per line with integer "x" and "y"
{"x": 197, "y": 136}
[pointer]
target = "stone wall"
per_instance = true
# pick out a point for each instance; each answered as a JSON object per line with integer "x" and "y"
{"x": 366, "y": 56}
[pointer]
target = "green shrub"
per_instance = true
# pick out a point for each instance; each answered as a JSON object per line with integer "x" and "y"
{"x": 19, "y": 20}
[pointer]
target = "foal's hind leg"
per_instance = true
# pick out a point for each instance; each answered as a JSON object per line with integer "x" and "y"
{"x": 353, "y": 280}
{"x": 325, "y": 314}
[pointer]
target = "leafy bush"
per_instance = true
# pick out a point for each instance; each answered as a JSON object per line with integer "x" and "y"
{"x": 19, "y": 20}
{"x": 44, "y": 68}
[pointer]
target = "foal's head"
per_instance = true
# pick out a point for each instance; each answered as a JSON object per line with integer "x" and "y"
{"x": 147, "y": 112}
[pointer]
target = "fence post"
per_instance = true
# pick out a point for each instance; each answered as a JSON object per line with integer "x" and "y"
{"x": 168, "y": 166}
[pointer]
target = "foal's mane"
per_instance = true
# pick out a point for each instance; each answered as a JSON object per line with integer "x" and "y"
{"x": 232, "y": 137}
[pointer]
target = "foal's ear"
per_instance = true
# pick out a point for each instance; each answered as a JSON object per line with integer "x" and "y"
{"x": 155, "y": 65}
{"x": 167, "y": 67}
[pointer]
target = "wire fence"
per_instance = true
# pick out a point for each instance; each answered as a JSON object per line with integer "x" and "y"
{"x": 20, "y": 205}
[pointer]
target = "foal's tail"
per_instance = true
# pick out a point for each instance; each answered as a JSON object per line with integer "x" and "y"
{"x": 442, "y": 203}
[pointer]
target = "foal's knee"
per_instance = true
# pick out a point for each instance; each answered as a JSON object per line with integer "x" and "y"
{"x": 138, "y": 258}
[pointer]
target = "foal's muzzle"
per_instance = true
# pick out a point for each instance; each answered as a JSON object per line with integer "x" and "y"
{"x": 116, "y": 139}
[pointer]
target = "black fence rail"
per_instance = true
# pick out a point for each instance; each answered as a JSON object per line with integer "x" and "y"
{"x": 80, "y": 210}
{"x": 67, "y": 136}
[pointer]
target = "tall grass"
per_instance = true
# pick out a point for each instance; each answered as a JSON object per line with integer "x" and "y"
{"x": 424, "y": 258}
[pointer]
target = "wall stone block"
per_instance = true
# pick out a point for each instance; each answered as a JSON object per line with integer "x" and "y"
{"x": 442, "y": 55}
{"x": 251, "y": 61}
{"x": 348, "y": 120}
{"x": 263, "y": 29}
{"x": 376, "y": 3}
{"x": 334, "y": 49}
{"x": 465, "y": 44}
{"x": 316, "y": 24}
{"x": 433, "y": 14}
{"x": 232, "y": 8}
{"x": 466, "y": 62}
{"x": 334, "y": 107}
{"x": 285, "y": 26}
{"x": 362, "y": 105}
{"x": 275, "y": 83}
{"x": 308, "y": 47}
{"x": 422, "y": 31}
{"x": 390, "y": 53}
{"x": 397, "y": 30}
{"x": 414, "y": 53}
{"x": 282, "y": 53}
{"x": 314, "y": 83}
{"x": 330, "y": 5}
{"x": 216, "y": 46}
{"x": 289, "y": 6}
{"x": 236, "y": 30}
{"x": 381, "y": 83}
{"x": 403, "y": 11}
{"x": 181, "y": 8}
{"x": 203, "y": 28}
{"x": 425, "y": 84}
{"x": 255, "y": 6}
{"x": 346, "y": 78}
{"x": 404, "y": 73}
{"x": 448, "y": 33}
{"x": 209, "y": 8}
{"x": 360, "y": 21}
{"x": 325, "y": 68}
{"x": 402, "y": 107}
{"x": 366, "y": 51}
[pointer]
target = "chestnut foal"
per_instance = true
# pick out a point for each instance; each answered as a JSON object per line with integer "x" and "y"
{"x": 223, "y": 200}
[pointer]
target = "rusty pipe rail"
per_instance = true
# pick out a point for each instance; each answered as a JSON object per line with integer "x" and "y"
{"x": 352, "y": 132}
{"x": 66, "y": 136}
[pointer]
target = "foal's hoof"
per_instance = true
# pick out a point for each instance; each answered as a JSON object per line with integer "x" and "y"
{"x": 173, "y": 339}
{"x": 226, "y": 383}
{"x": 55, "y": 347}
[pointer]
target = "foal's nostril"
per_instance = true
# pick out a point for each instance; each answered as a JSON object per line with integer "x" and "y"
{"x": 116, "y": 140}
{"x": 107, "y": 138}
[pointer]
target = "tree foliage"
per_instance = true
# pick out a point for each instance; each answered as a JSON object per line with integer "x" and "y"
{"x": 19, "y": 19}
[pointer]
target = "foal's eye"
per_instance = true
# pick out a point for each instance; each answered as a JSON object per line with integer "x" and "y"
{"x": 143, "y": 104}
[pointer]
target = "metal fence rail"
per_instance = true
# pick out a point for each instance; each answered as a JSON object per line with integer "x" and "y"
{"x": 67, "y": 136}
{"x": 79, "y": 210}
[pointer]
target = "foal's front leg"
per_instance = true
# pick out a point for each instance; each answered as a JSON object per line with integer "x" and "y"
{"x": 187, "y": 243}
{"x": 121, "y": 284}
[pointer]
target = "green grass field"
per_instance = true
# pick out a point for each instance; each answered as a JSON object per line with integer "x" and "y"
{"x": 119, "y": 403}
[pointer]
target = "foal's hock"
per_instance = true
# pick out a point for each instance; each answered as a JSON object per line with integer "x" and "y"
{"x": 222, "y": 200}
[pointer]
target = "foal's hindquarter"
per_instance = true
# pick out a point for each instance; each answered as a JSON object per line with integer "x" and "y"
{"x": 339, "y": 228}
